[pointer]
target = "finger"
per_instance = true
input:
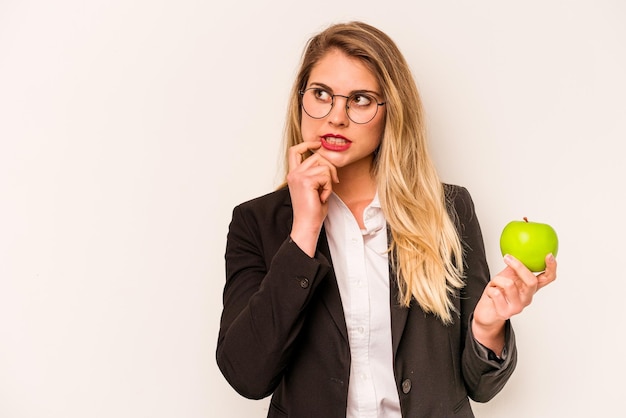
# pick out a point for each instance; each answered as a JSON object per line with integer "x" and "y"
{"x": 507, "y": 272}
{"x": 318, "y": 160}
{"x": 509, "y": 286}
{"x": 549, "y": 275}
{"x": 296, "y": 153}
{"x": 333, "y": 170}
{"x": 518, "y": 291}
{"x": 326, "y": 191}
{"x": 315, "y": 178}
{"x": 324, "y": 180}
{"x": 499, "y": 300}
{"x": 527, "y": 276}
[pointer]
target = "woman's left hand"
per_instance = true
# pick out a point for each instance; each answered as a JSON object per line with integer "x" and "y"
{"x": 506, "y": 295}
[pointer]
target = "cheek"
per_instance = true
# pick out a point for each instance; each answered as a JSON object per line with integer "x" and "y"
{"x": 376, "y": 142}
{"x": 307, "y": 129}
{"x": 378, "y": 132}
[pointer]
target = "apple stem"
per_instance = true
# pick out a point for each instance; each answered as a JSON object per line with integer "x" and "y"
{"x": 525, "y": 219}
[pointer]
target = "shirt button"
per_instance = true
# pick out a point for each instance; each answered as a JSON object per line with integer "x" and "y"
{"x": 406, "y": 386}
{"x": 361, "y": 330}
{"x": 304, "y": 282}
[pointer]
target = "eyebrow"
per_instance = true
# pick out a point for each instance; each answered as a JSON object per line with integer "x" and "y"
{"x": 326, "y": 87}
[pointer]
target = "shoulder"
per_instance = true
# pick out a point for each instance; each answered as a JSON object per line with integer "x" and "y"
{"x": 276, "y": 198}
{"x": 261, "y": 223}
{"x": 457, "y": 196}
{"x": 269, "y": 205}
{"x": 459, "y": 204}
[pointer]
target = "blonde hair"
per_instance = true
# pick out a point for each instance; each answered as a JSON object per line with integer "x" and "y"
{"x": 426, "y": 251}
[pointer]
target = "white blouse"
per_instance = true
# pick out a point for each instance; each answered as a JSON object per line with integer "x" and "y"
{"x": 361, "y": 265}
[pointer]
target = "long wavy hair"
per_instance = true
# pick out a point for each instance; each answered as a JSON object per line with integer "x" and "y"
{"x": 425, "y": 249}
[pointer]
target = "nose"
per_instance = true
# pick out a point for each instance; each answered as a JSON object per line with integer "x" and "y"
{"x": 339, "y": 112}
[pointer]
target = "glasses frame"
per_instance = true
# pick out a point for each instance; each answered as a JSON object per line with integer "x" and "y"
{"x": 332, "y": 104}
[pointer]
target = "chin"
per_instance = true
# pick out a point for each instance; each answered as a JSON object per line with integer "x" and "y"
{"x": 335, "y": 158}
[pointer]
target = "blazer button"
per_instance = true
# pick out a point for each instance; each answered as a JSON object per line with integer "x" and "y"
{"x": 406, "y": 386}
{"x": 304, "y": 282}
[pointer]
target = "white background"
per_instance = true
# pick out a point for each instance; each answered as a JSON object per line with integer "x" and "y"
{"x": 130, "y": 129}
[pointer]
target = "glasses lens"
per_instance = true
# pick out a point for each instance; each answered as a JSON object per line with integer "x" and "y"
{"x": 317, "y": 102}
{"x": 362, "y": 107}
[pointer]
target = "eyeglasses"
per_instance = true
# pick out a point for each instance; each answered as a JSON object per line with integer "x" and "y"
{"x": 360, "y": 107}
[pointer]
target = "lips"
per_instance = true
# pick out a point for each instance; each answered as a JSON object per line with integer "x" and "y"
{"x": 335, "y": 143}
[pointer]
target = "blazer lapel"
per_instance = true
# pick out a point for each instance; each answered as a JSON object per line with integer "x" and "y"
{"x": 399, "y": 313}
{"x": 330, "y": 291}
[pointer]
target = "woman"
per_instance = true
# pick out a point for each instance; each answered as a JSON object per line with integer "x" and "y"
{"x": 361, "y": 288}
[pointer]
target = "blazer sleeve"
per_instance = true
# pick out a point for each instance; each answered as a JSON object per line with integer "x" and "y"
{"x": 484, "y": 378}
{"x": 487, "y": 377}
{"x": 269, "y": 282}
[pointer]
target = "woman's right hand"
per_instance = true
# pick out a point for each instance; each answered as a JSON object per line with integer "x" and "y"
{"x": 310, "y": 182}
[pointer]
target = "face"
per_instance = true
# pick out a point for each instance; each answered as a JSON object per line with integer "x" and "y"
{"x": 344, "y": 142}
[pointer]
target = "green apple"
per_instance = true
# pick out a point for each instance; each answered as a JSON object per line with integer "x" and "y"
{"x": 529, "y": 242}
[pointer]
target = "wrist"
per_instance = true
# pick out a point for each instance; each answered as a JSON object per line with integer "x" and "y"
{"x": 491, "y": 336}
{"x": 307, "y": 241}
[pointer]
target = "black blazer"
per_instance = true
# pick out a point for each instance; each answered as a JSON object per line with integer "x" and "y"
{"x": 283, "y": 332}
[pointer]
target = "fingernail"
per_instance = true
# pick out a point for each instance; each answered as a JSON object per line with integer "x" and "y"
{"x": 507, "y": 258}
{"x": 551, "y": 258}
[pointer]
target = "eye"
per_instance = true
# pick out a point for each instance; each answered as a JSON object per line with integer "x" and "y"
{"x": 362, "y": 100}
{"x": 322, "y": 95}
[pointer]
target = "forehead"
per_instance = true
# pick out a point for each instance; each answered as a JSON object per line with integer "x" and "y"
{"x": 343, "y": 73}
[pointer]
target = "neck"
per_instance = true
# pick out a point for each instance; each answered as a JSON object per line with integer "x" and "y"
{"x": 355, "y": 180}
{"x": 356, "y": 188}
